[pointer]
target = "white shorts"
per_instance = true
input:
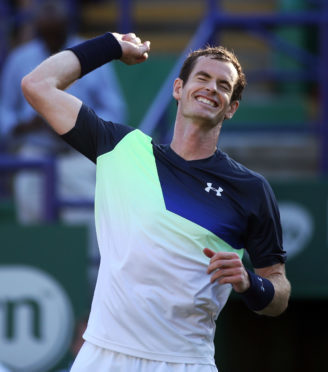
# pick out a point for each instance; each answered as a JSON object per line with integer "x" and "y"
{"x": 96, "y": 359}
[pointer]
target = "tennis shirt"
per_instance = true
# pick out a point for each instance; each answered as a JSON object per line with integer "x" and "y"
{"x": 155, "y": 213}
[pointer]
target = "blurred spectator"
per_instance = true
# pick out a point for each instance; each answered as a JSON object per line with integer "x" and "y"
{"x": 22, "y": 28}
{"x": 27, "y": 135}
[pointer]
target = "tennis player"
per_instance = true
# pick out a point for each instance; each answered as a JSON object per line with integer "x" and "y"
{"x": 172, "y": 220}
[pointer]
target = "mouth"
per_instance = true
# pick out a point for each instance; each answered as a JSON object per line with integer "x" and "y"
{"x": 207, "y": 101}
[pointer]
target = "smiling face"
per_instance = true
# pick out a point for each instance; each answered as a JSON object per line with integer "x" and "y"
{"x": 206, "y": 96}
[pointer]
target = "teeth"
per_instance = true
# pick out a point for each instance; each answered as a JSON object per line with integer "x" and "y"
{"x": 205, "y": 100}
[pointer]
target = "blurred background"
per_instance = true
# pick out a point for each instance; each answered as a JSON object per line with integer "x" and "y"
{"x": 48, "y": 249}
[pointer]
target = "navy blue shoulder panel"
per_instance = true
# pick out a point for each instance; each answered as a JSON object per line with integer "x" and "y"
{"x": 93, "y": 136}
{"x": 226, "y": 198}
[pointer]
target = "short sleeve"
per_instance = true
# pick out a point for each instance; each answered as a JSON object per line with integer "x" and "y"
{"x": 93, "y": 136}
{"x": 264, "y": 234}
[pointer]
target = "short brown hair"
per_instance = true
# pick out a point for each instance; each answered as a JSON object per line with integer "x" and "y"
{"x": 222, "y": 54}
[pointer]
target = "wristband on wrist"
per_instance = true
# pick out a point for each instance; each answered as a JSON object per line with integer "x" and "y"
{"x": 259, "y": 294}
{"x": 96, "y": 52}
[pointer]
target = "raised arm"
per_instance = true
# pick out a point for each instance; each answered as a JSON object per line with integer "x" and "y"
{"x": 44, "y": 86}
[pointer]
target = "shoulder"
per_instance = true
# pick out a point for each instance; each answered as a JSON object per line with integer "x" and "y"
{"x": 251, "y": 188}
{"x": 241, "y": 173}
{"x": 93, "y": 136}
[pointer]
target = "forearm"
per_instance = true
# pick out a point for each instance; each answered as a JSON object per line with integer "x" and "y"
{"x": 279, "y": 302}
{"x": 268, "y": 290}
{"x": 62, "y": 69}
{"x": 265, "y": 291}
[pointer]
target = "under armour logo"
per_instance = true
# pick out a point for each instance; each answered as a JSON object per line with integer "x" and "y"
{"x": 209, "y": 188}
{"x": 261, "y": 284}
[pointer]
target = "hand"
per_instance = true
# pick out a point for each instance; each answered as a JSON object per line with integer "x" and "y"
{"x": 227, "y": 267}
{"x": 133, "y": 50}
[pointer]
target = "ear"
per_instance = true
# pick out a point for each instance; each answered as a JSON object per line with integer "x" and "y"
{"x": 177, "y": 88}
{"x": 232, "y": 109}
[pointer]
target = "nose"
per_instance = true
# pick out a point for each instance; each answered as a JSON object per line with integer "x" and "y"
{"x": 212, "y": 86}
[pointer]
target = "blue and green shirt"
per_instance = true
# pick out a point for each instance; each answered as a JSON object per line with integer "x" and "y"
{"x": 155, "y": 213}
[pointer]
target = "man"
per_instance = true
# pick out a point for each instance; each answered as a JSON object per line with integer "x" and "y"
{"x": 163, "y": 210}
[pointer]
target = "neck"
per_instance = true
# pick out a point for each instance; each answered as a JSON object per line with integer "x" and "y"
{"x": 194, "y": 142}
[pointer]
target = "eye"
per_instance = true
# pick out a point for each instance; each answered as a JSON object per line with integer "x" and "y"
{"x": 226, "y": 87}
